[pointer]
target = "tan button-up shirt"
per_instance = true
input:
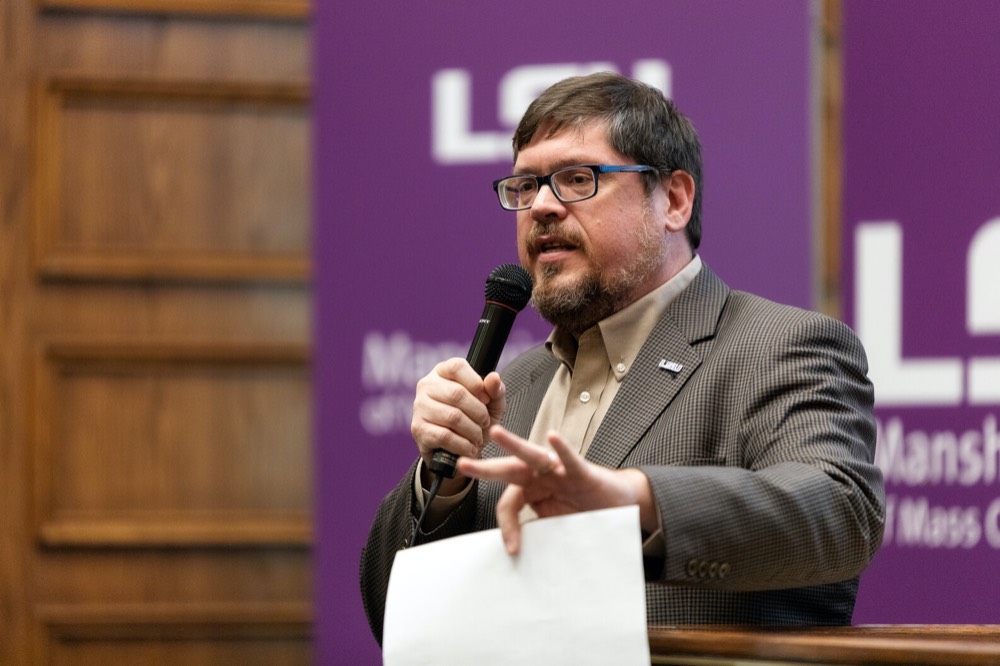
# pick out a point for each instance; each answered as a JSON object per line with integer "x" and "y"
{"x": 591, "y": 370}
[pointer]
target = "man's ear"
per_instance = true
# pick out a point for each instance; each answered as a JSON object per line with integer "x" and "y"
{"x": 680, "y": 197}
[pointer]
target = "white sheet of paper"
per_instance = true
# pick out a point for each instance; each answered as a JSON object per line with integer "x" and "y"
{"x": 574, "y": 595}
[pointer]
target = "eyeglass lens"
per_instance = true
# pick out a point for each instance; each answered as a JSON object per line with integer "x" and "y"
{"x": 569, "y": 185}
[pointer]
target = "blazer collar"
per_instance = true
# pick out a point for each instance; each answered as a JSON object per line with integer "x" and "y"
{"x": 666, "y": 361}
{"x": 648, "y": 389}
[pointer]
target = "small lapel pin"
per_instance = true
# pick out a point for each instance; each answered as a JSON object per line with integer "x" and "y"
{"x": 670, "y": 366}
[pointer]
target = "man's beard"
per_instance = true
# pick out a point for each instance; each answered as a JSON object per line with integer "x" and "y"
{"x": 597, "y": 294}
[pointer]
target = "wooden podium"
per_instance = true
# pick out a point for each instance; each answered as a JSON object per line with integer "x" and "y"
{"x": 948, "y": 645}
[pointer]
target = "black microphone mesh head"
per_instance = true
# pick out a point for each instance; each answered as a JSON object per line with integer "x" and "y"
{"x": 510, "y": 285}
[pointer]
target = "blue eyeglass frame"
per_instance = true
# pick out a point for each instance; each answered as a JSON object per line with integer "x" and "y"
{"x": 597, "y": 169}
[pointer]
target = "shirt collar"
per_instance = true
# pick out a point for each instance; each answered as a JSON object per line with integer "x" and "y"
{"x": 625, "y": 331}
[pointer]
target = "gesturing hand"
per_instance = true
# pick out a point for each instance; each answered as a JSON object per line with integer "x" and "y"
{"x": 554, "y": 483}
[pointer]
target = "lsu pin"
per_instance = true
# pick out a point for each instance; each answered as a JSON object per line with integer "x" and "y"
{"x": 670, "y": 366}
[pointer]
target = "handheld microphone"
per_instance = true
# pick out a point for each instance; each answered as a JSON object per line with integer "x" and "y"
{"x": 508, "y": 290}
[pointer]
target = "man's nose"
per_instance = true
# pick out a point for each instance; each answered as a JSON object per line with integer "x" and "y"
{"x": 546, "y": 204}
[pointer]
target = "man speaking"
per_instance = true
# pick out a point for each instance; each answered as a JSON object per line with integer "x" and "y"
{"x": 741, "y": 428}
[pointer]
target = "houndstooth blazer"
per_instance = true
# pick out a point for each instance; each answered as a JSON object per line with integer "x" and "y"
{"x": 753, "y": 422}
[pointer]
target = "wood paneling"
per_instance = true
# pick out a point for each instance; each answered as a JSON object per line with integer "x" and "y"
{"x": 289, "y": 9}
{"x": 172, "y": 446}
{"x": 17, "y": 36}
{"x": 245, "y": 218}
{"x": 155, "y": 395}
{"x": 831, "y": 160}
{"x": 176, "y": 633}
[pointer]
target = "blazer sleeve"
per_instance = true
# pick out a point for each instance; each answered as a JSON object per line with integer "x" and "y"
{"x": 800, "y": 501}
{"x": 390, "y": 532}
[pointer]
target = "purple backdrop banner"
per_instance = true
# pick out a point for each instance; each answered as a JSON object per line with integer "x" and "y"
{"x": 414, "y": 107}
{"x": 922, "y": 231}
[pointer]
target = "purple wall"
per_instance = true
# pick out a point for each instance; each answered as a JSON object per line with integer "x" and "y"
{"x": 922, "y": 188}
{"x": 407, "y": 227}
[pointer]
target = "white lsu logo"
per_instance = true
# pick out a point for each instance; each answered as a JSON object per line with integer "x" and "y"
{"x": 454, "y": 141}
{"x": 879, "y": 314}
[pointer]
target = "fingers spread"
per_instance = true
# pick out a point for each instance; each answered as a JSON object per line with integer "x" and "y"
{"x": 540, "y": 459}
{"x": 507, "y": 469}
{"x": 571, "y": 461}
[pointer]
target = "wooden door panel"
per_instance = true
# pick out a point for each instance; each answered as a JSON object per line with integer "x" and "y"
{"x": 167, "y": 445}
{"x": 253, "y": 582}
{"x": 172, "y": 179}
{"x": 134, "y": 312}
{"x": 175, "y": 634}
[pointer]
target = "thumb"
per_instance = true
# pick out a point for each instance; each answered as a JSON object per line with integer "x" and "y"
{"x": 497, "y": 392}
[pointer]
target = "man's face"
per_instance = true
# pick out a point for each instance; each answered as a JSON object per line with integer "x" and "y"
{"x": 590, "y": 258}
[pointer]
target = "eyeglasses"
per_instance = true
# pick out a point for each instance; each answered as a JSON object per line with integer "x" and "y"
{"x": 571, "y": 184}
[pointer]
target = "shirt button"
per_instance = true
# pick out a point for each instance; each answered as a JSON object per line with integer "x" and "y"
{"x": 585, "y": 396}
{"x": 620, "y": 367}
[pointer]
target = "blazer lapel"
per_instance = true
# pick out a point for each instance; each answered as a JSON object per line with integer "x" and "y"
{"x": 665, "y": 363}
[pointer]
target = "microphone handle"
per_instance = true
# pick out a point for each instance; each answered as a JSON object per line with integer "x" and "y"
{"x": 484, "y": 354}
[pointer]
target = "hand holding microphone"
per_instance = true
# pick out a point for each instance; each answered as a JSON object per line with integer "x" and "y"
{"x": 508, "y": 290}
{"x": 453, "y": 407}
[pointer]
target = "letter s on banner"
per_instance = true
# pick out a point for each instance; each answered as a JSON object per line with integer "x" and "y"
{"x": 521, "y": 85}
{"x": 455, "y": 142}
